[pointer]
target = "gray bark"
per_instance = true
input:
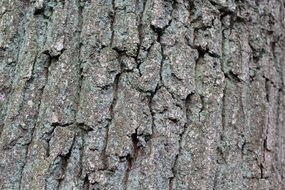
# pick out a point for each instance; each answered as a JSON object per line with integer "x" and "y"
{"x": 142, "y": 94}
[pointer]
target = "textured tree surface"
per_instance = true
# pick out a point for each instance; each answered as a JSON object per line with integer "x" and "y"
{"x": 142, "y": 94}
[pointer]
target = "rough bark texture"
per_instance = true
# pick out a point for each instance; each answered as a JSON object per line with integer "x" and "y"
{"x": 142, "y": 94}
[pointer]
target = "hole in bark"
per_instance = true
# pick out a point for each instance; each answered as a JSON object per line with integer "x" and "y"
{"x": 86, "y": 183}
{"x": 135, "y": 141}
{"x": 130, "y": 161}
{"x": 233, "y": 77}
{"x": 147, "y": 137}
{"x": 174, "y": 120}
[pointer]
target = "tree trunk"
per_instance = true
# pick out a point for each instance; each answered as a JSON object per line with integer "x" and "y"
{"x": 142, "y": 94}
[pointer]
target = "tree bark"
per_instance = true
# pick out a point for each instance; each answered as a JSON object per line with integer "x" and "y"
{"x": 142, "y": 94}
